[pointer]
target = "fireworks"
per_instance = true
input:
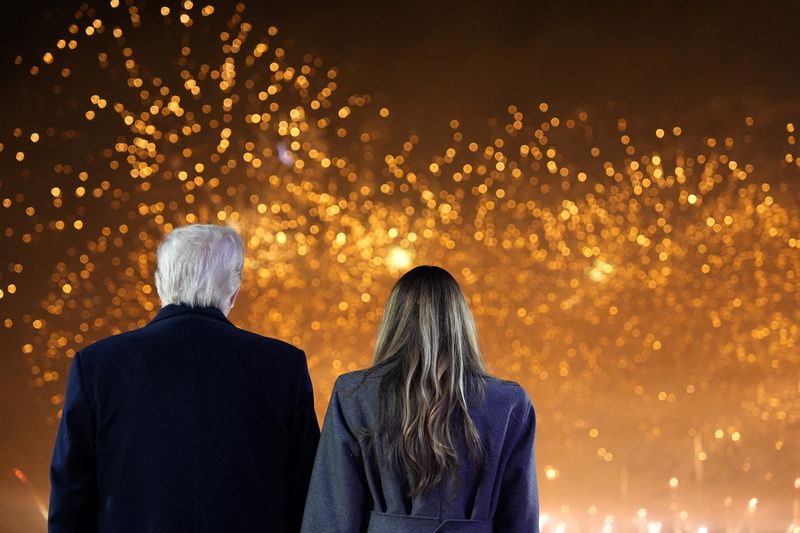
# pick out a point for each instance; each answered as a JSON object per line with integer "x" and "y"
{"x": 23, "y": 479}
{"x": 641, "y": 281}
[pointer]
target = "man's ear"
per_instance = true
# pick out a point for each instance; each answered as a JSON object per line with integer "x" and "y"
{"x": 232, "y": 301}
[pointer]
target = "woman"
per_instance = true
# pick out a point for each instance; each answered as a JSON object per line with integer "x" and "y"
{"x": 425, "y": 440}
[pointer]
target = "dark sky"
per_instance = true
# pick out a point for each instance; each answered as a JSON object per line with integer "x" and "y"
{"x": 433, "y": 61}
{"x": 472, "y": 59}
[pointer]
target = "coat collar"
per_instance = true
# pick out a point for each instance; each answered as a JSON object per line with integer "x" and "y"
{"x": 172, "y": 310}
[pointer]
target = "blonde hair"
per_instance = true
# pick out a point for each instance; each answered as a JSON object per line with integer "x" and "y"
{"x": 428, "y": 340}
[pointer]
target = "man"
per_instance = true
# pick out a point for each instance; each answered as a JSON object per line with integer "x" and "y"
{"x": 188, "y": 424}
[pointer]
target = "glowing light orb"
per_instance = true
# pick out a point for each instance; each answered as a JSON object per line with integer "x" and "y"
{"x": 285, "y": 155}
{"x": 600, "y": 270}
{"x": 654, "y": 527}
{"x": 399, "y": 258}
{"x": 543, "y": 518}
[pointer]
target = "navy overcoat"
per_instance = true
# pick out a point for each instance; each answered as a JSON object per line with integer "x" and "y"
{"x": 354, "y": 489}
{"x": 188, "y": 424}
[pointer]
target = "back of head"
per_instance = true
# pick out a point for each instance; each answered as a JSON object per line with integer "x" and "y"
{"x": 428, "y": 342}
{"x": 200, "y": 265}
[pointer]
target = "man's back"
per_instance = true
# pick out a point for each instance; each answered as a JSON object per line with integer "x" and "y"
{"x": 187, "y": 425}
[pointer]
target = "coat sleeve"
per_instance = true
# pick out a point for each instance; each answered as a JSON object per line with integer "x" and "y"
{"x": 74, "y": 499}
{"x": 518, "y": 505}
{"x": 304, "y": 440}
{"x": 337, "y": 498}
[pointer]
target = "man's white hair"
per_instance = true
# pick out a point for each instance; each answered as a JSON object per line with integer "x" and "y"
{"x": 199, "y": 265}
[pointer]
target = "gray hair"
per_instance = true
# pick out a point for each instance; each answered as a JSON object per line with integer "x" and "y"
{"x": 199, "y": 265}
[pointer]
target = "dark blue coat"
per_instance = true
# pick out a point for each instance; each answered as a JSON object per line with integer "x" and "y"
{"x": 188, "y": 424}
{"x": 354, "y": 489}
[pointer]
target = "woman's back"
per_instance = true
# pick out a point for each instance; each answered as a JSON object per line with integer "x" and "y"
{"x": 355, "y": 486}
{"x": 424, "y": 440}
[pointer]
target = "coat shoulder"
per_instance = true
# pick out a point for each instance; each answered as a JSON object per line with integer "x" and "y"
{"x": 137, "y": 339}
{"x": 351, "y": 381}
{"x": 268, "y": 342}
{"x": 508, "y": 393}
{"x": 110, "y": 345}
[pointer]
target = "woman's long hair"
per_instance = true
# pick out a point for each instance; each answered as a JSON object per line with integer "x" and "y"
{"x": 428, "y": 343}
